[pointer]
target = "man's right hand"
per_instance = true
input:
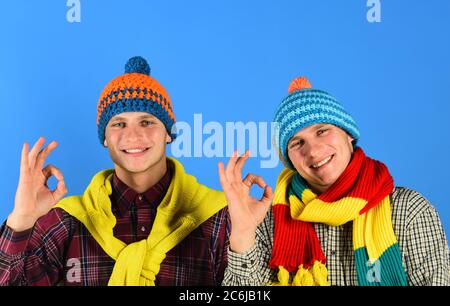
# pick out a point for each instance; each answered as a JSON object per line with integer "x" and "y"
{"x": 246, "y": 212}
{"x": 33, "y": 197}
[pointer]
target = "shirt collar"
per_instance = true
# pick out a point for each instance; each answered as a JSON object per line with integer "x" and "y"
{"x": 123, "y": 196}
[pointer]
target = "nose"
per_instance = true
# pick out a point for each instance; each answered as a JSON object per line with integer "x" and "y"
{"x": 313, "y": 148}
{"x": 132, "y": 133}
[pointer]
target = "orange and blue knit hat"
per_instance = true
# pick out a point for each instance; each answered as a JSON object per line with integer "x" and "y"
{"x": 134, "y": 91}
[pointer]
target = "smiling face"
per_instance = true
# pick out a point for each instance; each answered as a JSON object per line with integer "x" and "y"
{"x": 320, "y": 153}
{"x": 136, "y": 142}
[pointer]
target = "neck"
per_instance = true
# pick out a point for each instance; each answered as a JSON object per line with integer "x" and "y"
{"x": 318, "y": 190}
{"x": 142, "y": 181}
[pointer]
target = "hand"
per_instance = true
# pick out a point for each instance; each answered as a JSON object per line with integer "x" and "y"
{"x": 33, "y": 197}
{"x": 246, "y": 212}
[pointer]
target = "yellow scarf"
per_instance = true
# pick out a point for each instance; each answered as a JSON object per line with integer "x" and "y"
{"x": 186, "y": 205}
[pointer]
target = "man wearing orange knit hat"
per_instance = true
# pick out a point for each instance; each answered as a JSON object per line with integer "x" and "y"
{"x": 145, "y": 222}
{"x": 336, "y": 218}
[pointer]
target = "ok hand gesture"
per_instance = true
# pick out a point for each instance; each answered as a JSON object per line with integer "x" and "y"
{"x": 246, "y": 212}
{"x": 33, "y": 197}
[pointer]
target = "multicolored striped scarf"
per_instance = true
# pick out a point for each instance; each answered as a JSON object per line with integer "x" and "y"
{"x": 362, "y": 195}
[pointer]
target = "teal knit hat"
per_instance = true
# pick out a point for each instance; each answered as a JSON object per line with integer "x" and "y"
{"x": 305, "y": 106}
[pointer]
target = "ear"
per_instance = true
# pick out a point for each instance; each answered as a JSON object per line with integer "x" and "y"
{"x": 350, "y": 141}
{"x": 168, "y": 138}
{"x": 105, "y": 144}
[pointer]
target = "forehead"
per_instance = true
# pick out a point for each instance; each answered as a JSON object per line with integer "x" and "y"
{"x": 313, "y": 128}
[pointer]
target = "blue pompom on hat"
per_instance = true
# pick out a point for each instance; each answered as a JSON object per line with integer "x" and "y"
{"x": 137, "y": 64}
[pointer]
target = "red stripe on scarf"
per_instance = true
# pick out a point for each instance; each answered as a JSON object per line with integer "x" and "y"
{"x": 364, "y": 178}
{"x": 294, "y": 242}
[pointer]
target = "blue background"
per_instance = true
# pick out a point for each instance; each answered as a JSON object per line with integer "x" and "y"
{"x": 230, "y": 61}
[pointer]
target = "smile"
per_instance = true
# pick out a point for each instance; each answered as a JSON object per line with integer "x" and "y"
{"x": 135, "y": 151}
{"x": 322, "y": 163}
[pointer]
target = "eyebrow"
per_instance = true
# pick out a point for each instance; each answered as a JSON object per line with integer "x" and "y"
{"x": 146, "y": 117}
{"x": 318, "y": 127}
{"x": 118, "y": 118}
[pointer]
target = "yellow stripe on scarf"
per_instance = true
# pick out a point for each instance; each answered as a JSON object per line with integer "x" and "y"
{"x": 334, "y": 213}
{"x": 186, "y": 205}
{"x": 310, "y": 208}
{"x": 374, "y": 230}
{"x": 283, "y": 181}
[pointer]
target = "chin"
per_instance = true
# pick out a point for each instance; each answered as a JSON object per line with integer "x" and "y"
{"x": 138, "y": 169}
{"x": 133, "y": 168}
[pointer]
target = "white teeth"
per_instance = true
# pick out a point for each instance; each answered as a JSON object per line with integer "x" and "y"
{"x": 135, "y": 150}
{"x": 323, "y": 162}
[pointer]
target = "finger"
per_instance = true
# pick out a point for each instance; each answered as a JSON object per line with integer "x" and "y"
{"x": 240, "y": 164}
{"x": 222, "y": 175}
{"x": 267, "y": 196}
{"x": 60, "y": 190}
{"x": 259, "y": 181}
{"x": 231, "y": 165}
{"x": 24, "y": 160}
{"x": 249, "y": 180}
{"x": 50, "y": 171}
{"x": 42, "y": 156}
{"x": 34, "y": 152}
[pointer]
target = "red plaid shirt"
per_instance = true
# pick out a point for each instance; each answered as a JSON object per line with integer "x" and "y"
{"x": 60, "y": 250}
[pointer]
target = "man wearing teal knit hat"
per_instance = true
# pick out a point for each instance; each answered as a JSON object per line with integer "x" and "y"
{"x": 145, "y": 222}
{"x": 336, "y": 217}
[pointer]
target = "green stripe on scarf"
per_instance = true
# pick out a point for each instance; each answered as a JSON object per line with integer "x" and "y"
{"x": 386, "y": 271}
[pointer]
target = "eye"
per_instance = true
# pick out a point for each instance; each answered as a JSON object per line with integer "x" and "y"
{"x": 118, "y": 124}
{"x": 296, "y": 143}
{"x": 322, "y": 131}
{"x": 147, "y": 122}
